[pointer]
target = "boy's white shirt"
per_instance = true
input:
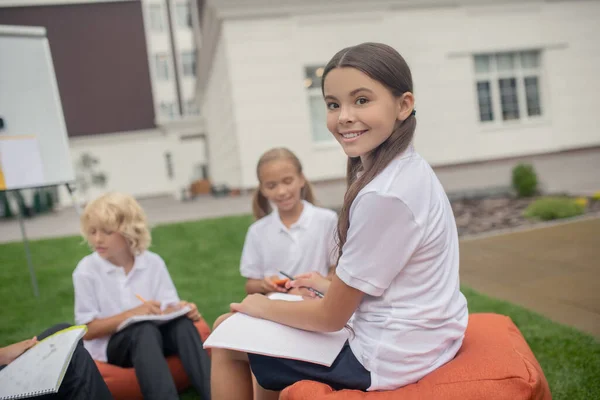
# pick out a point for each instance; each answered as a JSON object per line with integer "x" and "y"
{"x": 308, "y": 245}
{"x": 402, "y": 252}
{"x": 103, "y": 290}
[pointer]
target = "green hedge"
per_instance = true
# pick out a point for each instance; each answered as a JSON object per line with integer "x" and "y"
{"x": 524, "y": 180}
{"x": 549, "y": 208}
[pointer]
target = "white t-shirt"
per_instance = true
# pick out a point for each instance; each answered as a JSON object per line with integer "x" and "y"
{"x": 103, "y": 290}
{"x": 308, "y": 245}
{"x": 402, "y": 252}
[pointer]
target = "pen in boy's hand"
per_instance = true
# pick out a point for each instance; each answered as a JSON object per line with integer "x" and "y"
{"x": 152, "y": 305}
{"x": 140, "y": 298}
{"x": 319, "y": 294}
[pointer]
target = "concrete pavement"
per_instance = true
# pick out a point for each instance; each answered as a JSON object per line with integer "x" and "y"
{"x": 552, "y": 270}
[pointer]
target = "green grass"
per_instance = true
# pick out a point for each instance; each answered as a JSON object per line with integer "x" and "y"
{"x": 203, "y": 259}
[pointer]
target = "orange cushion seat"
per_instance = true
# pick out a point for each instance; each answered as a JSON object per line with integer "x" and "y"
{"x": 494, "y": 362}
{"x": 123, "y": 383}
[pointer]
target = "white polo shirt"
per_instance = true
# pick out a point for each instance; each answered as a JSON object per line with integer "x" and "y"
{"x": 308, "y": 245}
{"x": 402, "y": 252}
{"x": 103, "y": 290}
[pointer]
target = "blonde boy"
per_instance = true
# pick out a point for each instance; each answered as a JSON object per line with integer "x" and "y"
{"x": 109, "y": 284}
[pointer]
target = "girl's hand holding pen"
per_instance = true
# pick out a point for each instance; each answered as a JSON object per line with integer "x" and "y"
{"x": 312, "y": 280}
{"x": 269, "y": 285}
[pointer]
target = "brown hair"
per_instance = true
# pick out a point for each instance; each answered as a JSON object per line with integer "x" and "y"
{"x": 385, "y": 65}
{"x": 260, "y": 204}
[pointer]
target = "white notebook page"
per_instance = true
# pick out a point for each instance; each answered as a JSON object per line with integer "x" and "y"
{"x": 253, "y": 335}
{"x": 41, "y": 369}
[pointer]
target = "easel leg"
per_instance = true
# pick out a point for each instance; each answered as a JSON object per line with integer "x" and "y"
{"x": 36, "y": 292}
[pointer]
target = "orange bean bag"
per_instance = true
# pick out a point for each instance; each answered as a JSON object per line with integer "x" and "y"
{"x": 123, "y": 383}
{"x": 494, "y": 362}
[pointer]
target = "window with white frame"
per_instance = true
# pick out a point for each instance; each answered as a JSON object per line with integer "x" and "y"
{"x": 316, "y": 104}
{"x": 155, "y": 11}
{"x": 191, "y": 107}
{"x": 161, "y": 67}
{"x": 188, "y": 63}
{"x": 167, "y": 109}
{"x": 508, "y": 86}
{"x": 183, "y": 14}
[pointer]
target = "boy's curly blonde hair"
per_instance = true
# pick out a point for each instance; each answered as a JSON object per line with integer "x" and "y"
{"x": 120, "y": 213}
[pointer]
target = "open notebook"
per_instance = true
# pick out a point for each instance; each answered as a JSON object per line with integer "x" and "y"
{"x": 41, "y": 369}
{"x": 258, "y": 336}
{"x": 157, "y": 319}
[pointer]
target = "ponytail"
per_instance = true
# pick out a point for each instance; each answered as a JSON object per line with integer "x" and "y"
{"x": 353, "y": 167}
{"x": 260, "y": 205}
{"x": 397, "y": 143}
{"x": 308, "y": 192}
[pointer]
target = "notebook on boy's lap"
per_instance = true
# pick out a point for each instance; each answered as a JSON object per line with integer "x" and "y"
{"x": 157, "y": 319}
{"x": 41, "y": 369}
{"x": 258, "y": 336}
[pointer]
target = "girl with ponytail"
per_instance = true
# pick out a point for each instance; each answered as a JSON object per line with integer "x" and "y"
{"x": 295, "y": 237}
{"x": 397, "y": 271}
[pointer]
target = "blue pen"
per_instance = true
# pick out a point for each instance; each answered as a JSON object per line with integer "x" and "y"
{"x": 321, "y": 295}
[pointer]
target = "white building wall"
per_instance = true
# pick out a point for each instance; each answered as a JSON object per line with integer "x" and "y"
{"x": 573, "y": 72}
{"x": 221, "y": 121}
{"x": 184, "y": 42}
{"x": 136, "y": 163}
{"x": 158, "y": 43}
{"x": 269, "y": 97}
{"x": 267, "y": 59}
{"x": 189, "y": 155}
{"x": 449, "y": 130}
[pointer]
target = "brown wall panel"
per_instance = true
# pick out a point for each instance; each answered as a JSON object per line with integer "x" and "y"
{"x": 101, "y": 63}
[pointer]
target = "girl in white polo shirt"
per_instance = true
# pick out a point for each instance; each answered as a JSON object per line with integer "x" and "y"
{"x": 296, "y": 237}
{"x": 397, "y": 275}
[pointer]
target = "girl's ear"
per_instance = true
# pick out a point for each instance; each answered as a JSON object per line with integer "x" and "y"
{"x": 406, "y": 104}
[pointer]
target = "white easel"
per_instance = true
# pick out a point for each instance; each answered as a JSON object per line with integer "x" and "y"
{"x": 34, "y": 147}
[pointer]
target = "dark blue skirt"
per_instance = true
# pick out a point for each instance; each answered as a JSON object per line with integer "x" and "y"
{"x": 346, "y": 372}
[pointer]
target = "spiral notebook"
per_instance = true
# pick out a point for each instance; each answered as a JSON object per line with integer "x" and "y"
{"x": 41, "y": 369}
{"x": 258, "y": 336}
